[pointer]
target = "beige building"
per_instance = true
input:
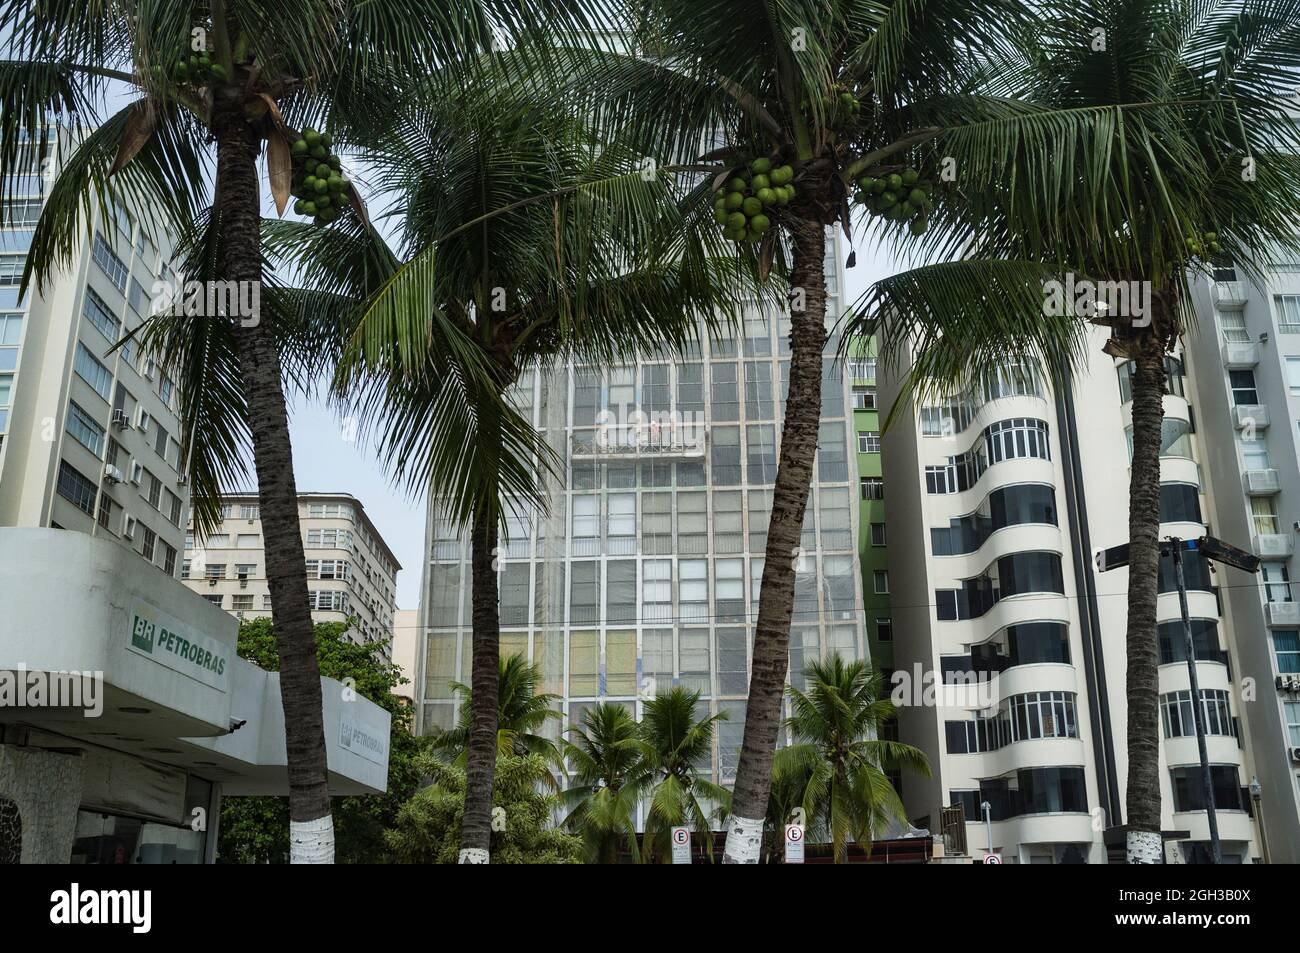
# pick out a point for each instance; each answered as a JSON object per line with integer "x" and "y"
{"x": 350, "y": 569}
{"x": 89, "y": 436}
{"x": 406, "y": 642}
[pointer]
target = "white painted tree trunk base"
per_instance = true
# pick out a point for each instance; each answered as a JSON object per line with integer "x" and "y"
{"x": 1144, "y": 847}
{"x": 473, "y": 855}
{"x": 312, "y": 842}
{"x": 744, "y": 840}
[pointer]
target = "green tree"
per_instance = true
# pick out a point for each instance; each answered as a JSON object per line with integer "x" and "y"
{"x": 224, "y": 77}
{"x": 823, "y": 100}
{"x": 539, "y": 241}
{"x": 837, "y": 761}
{"x": 1147, "y": 158}
{"x": 256, "y": 829}
{"x": 429, "y": 824}
{"x": 608, "y": 779}
{"x": 676, "y": 753}
{"x": 522, "y": 714}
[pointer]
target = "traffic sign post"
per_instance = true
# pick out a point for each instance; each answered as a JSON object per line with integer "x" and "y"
{"x": 992, "y": 858}
{"x": 1213, "y": 549}
{"x": 681, "y": 845}
{"x": 794, "y": 843}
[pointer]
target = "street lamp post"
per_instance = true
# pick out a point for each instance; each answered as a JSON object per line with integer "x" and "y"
{"x": 1256, "y": 797}
{"x": 987, "y": 808}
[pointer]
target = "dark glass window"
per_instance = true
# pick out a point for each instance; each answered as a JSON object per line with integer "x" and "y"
{"x": 1189, "y": 788}
{"x": 1196, "y": 573}
{"x": 1006, "y": 506}
{"x": 1205, "y": 641}
{"x": 1179, "y": 503}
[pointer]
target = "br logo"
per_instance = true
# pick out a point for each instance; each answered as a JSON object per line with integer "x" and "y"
{"x": 142, "y": 634}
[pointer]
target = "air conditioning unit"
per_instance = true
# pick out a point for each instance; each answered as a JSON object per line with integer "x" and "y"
{"x": 113, "y": 475}
{"x": 120, "y": 419}
{"x": 1295, "y": 755}
{"x": 182, "y": 480}
{"x": 212, "y": 580}
{"x": 243, "y": 583}
{"x": 1288, "y": 683}
{"x": 128, "y": 528}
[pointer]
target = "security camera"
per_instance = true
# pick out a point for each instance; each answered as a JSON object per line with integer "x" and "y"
{"x": 237, "y": 723}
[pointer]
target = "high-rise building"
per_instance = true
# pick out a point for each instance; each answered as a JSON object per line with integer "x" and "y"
{"x": 1246, "y": 354}
{"x": 873, "y": 555}
{"x": 645, "y": 571}
{"x": 351, "y": 571}
{"x": 89, "y": 436}
{"x": 998, "y": 499}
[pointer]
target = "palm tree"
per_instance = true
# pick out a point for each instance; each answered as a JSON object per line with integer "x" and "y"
{"x": 1175, "y": 147}
{"x": 540, "y": 242}
{"x": 837, "y": 92}
{"x": 522, "y": 714}
{"x": 837, "y": 756}
{"x": 605, "y": 760}
{"x": 235, "y": 74}
{"x": 676, "y": 746}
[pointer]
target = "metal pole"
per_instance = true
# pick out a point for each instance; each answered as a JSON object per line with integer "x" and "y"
{"x": 1259, "y": 819}
{"x": 1215, "y": 851}
{"x": 988, "y": 822}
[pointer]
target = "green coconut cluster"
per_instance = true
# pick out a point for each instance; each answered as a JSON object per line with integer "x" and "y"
{"x": 1204, "y": 244}
{"x": 317, "y": 182}
{"x": 745, "y": 201}
{"x": 899, "y": 197}
{"x": 198, "y": 70}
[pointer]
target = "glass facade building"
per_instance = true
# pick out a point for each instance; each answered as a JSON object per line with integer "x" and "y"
{"x": 645, "y": 571}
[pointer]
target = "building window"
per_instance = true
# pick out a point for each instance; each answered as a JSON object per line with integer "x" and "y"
{"x": 693, "y": 590}
{"x": 1286, "y": 648}
{"x": 147, "y": 542}
{"x": 880, "y": 581}
{"x": 1292, "y": 714}
{"x": 109, "y": 263}
{"x": 92, "y": 372}
{"x": 1288, "y": 318}
{"x": 1293, "y": 373}
{"x": 868, "y": 441}
{"x": 75, "y": 488}
{"x": 877, "y": 534}
{"x": 832, "y": 453}
{"x": 11, "y": 270}
{"x": 214, "y": 571}
{"x": 85, "y": 430}
{"x": 1254, "y": 454}
{"x": 241, "y": 603}
{"x": 762, "y": 454}
{"x": 1277, "y": 582}
{"x": 1243, "y": 387}
{"x": 98, "y": 314}
{"x": 871, "y": 488}
{"x": 215, "y": 600}
{"x": 1189, "y": 788}
{"x": 1264, "y": 515}
{"x": 864, "y": 398}
{"x": 884, "y": 629}
{"x": 252, "y": 513}
{"x": 1180, "y": 722}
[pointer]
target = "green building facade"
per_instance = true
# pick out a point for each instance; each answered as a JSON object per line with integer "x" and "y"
{"x": 872, "y": 544}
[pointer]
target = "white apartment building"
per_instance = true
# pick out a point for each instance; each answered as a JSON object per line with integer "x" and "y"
{"x": 89, "y": 437}
{"x": 645, "y": 572}
{"x": 1246, "y": 354}
{"x": 996, "y": 503}
{"x": 351, "y": 571}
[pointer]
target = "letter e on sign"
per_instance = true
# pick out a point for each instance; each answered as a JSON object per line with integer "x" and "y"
{"x": 681, "y": 845}
{"x": 794, "y": 843}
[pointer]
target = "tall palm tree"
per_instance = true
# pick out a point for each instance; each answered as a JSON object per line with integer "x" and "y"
{"x": 540, "y": 242}
{"x": 838, "y": 92}
{"x": 605, "y": 760}
{"x": 254, "y": 73}
{"x": 676, "y": 751}
{"x": 838, "y": 757}
{"x": 1176, "y": 146}
{"x": 522, "y": 714}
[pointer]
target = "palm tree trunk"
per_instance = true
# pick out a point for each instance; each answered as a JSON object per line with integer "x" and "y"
{"x": 1143, "y": 793}
{"x": 789, "y": 500}
{"x": 485, "y": 675}
{"x": 311, "y": 828}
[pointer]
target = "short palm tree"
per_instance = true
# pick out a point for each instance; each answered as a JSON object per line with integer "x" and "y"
{"x": 1175, "y": 147}
{"x": 837, "y": 756}
{"x": 838, "y": 92}
{"x": 605, "y": 765}
{"x": 539, "y": 242}
{"x": 235, "y": 75}
{"x": 522, "y": 714}
{"x": 676, "y": 751}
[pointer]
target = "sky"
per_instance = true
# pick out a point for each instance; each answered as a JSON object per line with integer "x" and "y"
{"x": 325, "y": 461}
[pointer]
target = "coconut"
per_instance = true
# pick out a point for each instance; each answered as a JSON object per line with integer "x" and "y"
{"x": 752, "y": 206}
{"x": 760, "y": 165}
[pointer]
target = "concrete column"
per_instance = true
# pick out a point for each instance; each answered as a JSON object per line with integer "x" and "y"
{"x": 40, "y": 792}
